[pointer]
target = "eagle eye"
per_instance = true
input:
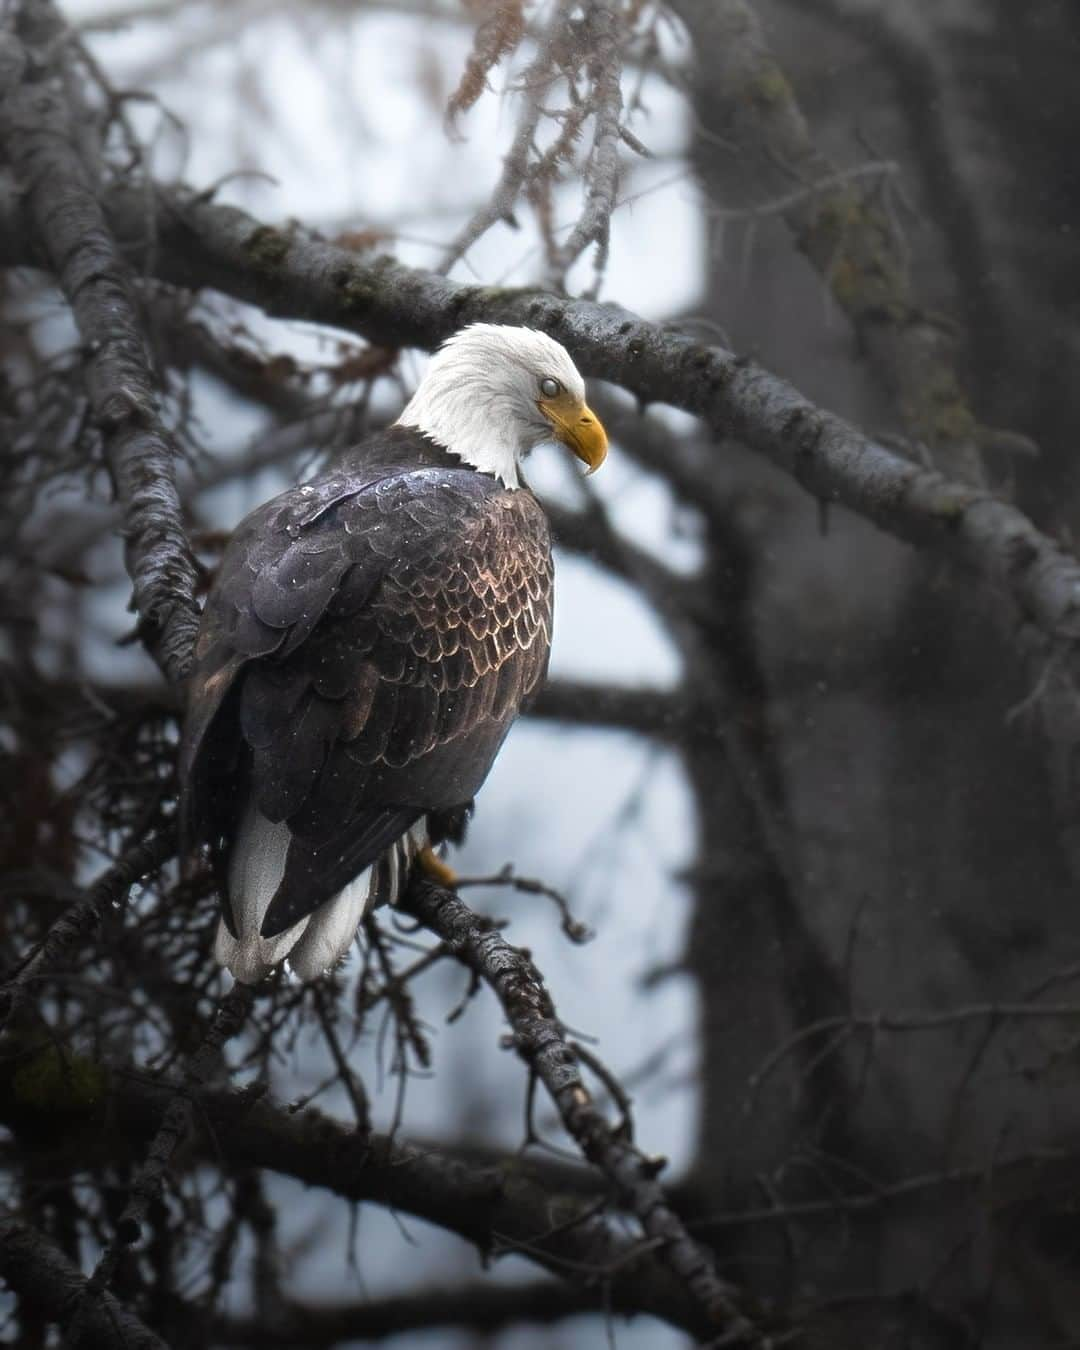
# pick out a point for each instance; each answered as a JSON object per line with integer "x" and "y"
{"x": 550, "y": 388}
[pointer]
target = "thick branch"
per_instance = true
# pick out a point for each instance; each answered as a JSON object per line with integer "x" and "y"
{"x": 36, "y": 131}
{"x": 660, "y": 713}
{"x": 47, "y": 1280}
{"x": 292, "y": 275}
{"x": 496, "y": 1208}
{"x": 481, "y": 1308}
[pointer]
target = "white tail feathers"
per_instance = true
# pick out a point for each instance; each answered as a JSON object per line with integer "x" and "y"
{"x": 317, "y": 942}
{"x": 256, "y": 866}
{"x": 332, "y": 928}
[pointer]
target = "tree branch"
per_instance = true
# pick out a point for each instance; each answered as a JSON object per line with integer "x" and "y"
{"x": 660, "y": 713}
{"x": 174, "y": 1126}
{"x": 926, "y": 99}
{"x": 292, "y": 275}
{"x": 47, "y": 1280}
{"x": 496, "y": 1208}
{"x": 69, "y": 933}
{"x": 539, "y": 1040}
{"x": 37, "y": 133}
{"x": 603, "y": 22}
{"x": 480, "y": 1308}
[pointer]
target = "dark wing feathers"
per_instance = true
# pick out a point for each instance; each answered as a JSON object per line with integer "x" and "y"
{"x": 284, "y": 771}
{"x": 379, "y": 635}
{"x": 325, "y": 864}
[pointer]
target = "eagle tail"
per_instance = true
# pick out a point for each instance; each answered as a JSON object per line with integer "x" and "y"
{"x": 332, "y": 928}
{"x": 320, "y": 939}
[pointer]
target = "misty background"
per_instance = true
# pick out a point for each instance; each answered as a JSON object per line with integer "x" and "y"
{"x": 836, "y": 937}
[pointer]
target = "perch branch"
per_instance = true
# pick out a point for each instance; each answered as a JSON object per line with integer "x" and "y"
{"x": 539, "y": 1040}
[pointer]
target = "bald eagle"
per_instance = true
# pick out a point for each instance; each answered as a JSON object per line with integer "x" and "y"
{"x": 368, "y": 640}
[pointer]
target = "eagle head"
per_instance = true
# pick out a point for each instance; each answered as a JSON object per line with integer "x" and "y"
{"x": 492, "y": 392}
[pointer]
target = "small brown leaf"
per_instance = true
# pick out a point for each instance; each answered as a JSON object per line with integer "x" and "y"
{"x": 499, "y": 33}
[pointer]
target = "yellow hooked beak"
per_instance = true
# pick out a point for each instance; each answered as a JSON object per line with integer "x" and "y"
{"x": 578, "y": 427}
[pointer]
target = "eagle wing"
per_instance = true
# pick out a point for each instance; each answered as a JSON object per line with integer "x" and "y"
{"x": 363, "y": 652}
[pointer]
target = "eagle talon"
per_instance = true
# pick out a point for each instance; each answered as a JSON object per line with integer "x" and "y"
{"x": 438, "y": 871}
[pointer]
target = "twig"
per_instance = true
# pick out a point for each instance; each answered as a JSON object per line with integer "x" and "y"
{"x": 175, "y": 1126}
{"x": 574, "y": 929}
{"x": 79, "y": 923}
{"x": 845, "y": 1025}
{"x": 352, "y": 1084}
{"x": 603, "y": 23}
{"x": 500, "y": 206}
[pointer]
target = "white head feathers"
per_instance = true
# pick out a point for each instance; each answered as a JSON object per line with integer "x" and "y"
{"x": 479, "y": 395}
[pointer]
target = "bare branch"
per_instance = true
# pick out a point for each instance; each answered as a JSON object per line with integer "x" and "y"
{"x": 77, "y": 925}
{"x": 480, "y": 1308}
{"x": 927, "y": 104}
{"x": 603, "y": 23}
{"x": 36, "y": 129}
{"x": 174, "y": 1126}
{"x": 497, "y": 1208}
{"x": 650, "y": 712}
{"x": 536, "y": 81}
{"x": 48, "y": 1281}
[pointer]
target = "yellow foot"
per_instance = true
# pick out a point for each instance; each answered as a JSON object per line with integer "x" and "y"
{"x": 436, "y": 869}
